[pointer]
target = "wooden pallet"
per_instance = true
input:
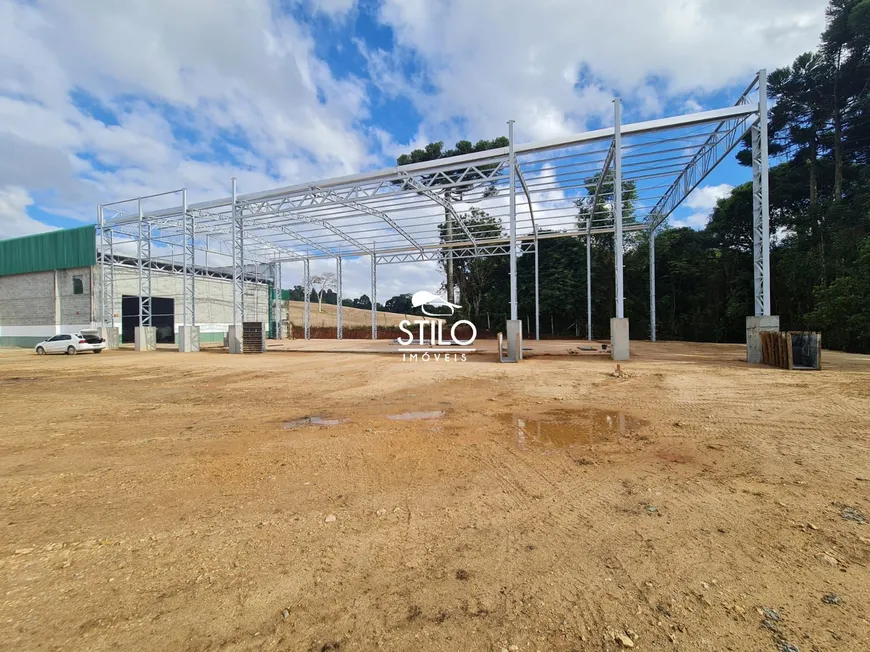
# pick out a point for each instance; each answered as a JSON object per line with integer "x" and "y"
{"x": 800, "y": 350}
{"x": 253, "y": 337}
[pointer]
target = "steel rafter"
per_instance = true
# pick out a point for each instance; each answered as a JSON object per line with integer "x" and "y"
{"x": 363, "y": 208}
{"x": 293, "y": 234}
{"x": 483, "y": 251}
{"x": 725, "y": 137}
{"x": 396, "y": 211}
{"x": 275, "y": 251}
{"x": 602, "y": 177}
{"x": 438, "y": 199}
{"x": 306, "y": 219}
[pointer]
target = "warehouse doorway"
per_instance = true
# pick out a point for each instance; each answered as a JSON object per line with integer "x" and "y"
{"x": 162, "y": 318}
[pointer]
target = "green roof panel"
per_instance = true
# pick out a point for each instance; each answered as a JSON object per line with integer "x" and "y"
{"x": 62, "y": 249}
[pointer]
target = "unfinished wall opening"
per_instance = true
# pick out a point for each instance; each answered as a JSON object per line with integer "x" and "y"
{"x": 162, "y": 318}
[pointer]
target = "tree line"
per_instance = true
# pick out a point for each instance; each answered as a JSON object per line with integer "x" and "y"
{"x": 819, "y": 142}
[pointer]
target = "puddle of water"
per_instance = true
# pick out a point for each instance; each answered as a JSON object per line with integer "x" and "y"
{"x": 416, "y": 416}
{"x": 312, "y": 421}
{"x": 569, "y": 428}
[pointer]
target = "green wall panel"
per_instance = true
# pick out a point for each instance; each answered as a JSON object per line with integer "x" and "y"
{"x": 63, "y": 249}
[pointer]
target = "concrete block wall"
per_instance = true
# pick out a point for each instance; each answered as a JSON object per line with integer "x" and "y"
{"x": 214, "y": 299}
{"x": 41, "y": 304}
{"x": 75, "y": 308}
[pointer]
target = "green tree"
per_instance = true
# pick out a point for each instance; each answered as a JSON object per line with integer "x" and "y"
{"x": 460, "y": 181}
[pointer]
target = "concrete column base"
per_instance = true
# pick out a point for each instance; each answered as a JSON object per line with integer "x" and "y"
{"x": 754, "y": 328}
{"x": 112, "y": 336}
{"x": 188, "y": 339}
{"x": 619, "y": 341}
{"x": 514, "y": 338}
{"x": 145, "y": 338}
{"x": 234, "y": 339}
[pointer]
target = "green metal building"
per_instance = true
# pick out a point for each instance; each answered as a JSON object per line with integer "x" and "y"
{"x": 49, "y": 284}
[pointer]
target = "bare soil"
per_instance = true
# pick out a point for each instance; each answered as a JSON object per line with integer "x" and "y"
{"x": 166, "y": 501}
{"x": 326, "y": 315}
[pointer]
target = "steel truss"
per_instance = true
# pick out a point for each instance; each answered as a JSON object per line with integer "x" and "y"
{"x": 483, "y": 251}
{"x": 143, "y": 259}
{"x": 761, "y": 210}
{"x": 161, "y": 265}
{"x": 573, "y": 186}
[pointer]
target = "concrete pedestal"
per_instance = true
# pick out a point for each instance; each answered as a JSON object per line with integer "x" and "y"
{"x": 514, "y": 332}
{"x": 619, "y": 342}
{"x": 145, "y": 338}
{"x": 112, "y": 336}
{"x": 234, "y": 339}
{"x": 754, "y": 327}
{"x": 188, "y": 339}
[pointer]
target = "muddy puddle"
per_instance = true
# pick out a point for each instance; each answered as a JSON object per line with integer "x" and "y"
{"x": 416, "y": 416}
{"x": 569, "y": 428}
{"x": 312, "y": 421}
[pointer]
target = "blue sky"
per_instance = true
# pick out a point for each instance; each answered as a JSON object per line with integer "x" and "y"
{"x": 107, "y": 100}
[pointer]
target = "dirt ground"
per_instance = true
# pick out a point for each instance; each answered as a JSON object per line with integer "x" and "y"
{"x": 351, "y": 317}
{"x": 166, "y": 501}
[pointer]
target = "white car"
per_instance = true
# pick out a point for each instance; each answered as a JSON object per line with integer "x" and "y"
{"x": 71, "y": 344}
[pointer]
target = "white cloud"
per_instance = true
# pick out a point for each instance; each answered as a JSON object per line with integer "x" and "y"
{"x": 186, "y": 82}
{"x": 553, "y": 65}
{"x": 246, "y": 68}
{"x": 14, "y": 220}
{"x": 693, "y": 221}
{"x": 702, "y": 201}
{"x": 334, "y": 8}
{"x": 705, "y": 197}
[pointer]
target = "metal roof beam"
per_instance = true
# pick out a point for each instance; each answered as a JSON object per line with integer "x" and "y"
{"x": 370, "y": 211}
{"x": 293, "y": 234}
{"x": 711, "y": 153}
{"x": 332, "y": 228}
{"x": 227, "y": 230}
{"x": 385, "y": 176}
{"x": 438, "y": 199}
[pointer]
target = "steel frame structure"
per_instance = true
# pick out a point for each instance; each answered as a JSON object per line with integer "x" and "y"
{"x": 573, "y": 187}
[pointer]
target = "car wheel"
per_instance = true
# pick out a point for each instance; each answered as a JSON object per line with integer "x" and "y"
{"x": 98, "y": 350}
{"x": 71, "y": 350}
{"x": 40, "y": 350}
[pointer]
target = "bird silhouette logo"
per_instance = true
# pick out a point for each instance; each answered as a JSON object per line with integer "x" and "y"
{"x": 423, "y": 298}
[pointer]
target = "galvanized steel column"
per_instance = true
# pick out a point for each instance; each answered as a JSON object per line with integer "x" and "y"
{"x": 617, "y": 206}
{"x": 652, "y": 284}
{"x": 513, "y": 220}
{"x": 338, "y": 306}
